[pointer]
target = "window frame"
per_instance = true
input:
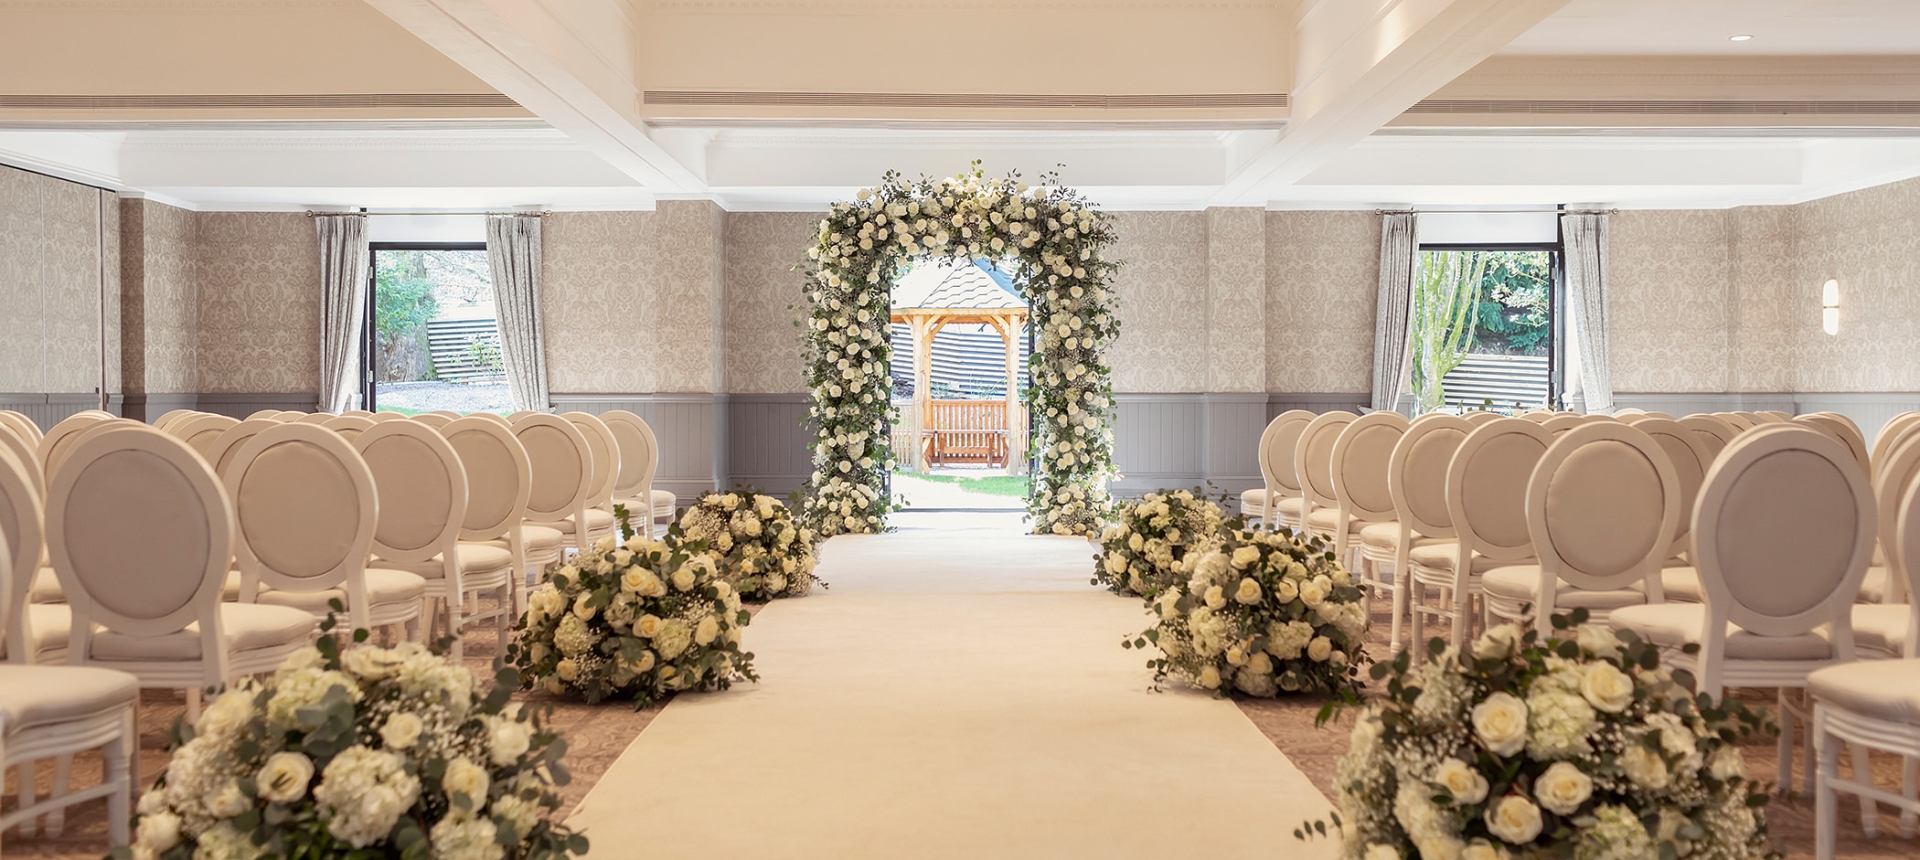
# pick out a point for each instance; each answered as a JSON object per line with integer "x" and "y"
{"x": 1556, "y": 299}
{"x": 368, "y": 388}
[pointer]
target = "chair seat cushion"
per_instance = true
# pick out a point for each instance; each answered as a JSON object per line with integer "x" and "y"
{"x": 248, "y": 627}
{"x": 52, "y": 623}
{"x": 1682, "y": 585}
{"x": 1873, "y": 589}
{"x": 1326, "y": 520}
{"x": 1881, "y": 627}
{"x": 664, "y": 503}
{"x": 1254, "y": 501}
{"x": 1438, "y": 556}
{"x": 597, "y": 521}
{"x": 1387, "y": 536}
{"x": 384, "y": 587}
{"x": 1882, "y": 689}
{"x": 46, "y": 587}
{"x": 1675, "y": 625}
{"x": 1522, "y": 582}
{"x": 475, "y": 558}
{"x": 33, "y": 696}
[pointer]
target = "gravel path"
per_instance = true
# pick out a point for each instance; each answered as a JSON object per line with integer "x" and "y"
{"x": 429, "y": 396}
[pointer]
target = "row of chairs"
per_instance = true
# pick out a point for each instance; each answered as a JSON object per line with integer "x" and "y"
{"x": 363, "y": 509}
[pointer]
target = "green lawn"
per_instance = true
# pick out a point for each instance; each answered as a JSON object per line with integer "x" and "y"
{"x": 993, "y": 485}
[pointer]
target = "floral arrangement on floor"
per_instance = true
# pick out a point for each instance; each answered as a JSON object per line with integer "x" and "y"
{"x": 1141, "y": 553}
{"x": 1581, "y": 747}
{"x": 639, "y": 620}
{"x": 1052, "y": 238}
{"x": 755, "y": 542}
{"x": 1261, "y": 612}
{"x": 373, "y": 752}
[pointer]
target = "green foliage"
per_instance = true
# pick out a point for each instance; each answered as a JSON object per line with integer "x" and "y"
{"x": 1512, "y": 316}
{"x": 1445, "y": 303}
{"x": 992, "y": 485}
{"x": 485, "y": 355}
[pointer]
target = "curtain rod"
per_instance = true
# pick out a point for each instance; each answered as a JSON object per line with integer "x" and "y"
{"x": 1495, "y": 211}
{"x": 314, "y": 214}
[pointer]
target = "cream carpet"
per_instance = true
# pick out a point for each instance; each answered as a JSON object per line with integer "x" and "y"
{"x": 959, "y": 693}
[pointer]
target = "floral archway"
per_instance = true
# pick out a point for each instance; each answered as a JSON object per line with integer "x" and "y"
{"x": 1052, "y": 238}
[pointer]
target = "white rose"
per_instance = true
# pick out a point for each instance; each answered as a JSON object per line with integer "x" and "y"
{"x": 1381, "y": 851}
{"x": 1606, "y": 687}
{"x": 465, "y": 777}
{"x": 1599, "y": 641}
{"x": 507, "y": 741}
{"x": 1248, "y": 593}
{"x": 1481, "y": 849}
{"x": 1216, "y": 597}
{"x": 159, "y": 831}
{"x": 683, "y": 578}
{"x": 1501, "y": 724}
{"x": 1563, "y": 788}
{"x": 567, "y": 669}
{"x": 706, "y": 631}
{"x": 1210, "y": 677}
{"x": 229, "y": 802}
{"x": 1244, "y": 556}
{"x": 1727, "y": 764}
{"x": 1286, "y": 591}
{"x": 285, "y": 776}
{"x": 401, "y": 730}
{"x": 1312, "y": 592}
{"x": 1319, "y": 649}
{"x": 647, "y": 626}
{"x": 1260, "y": 663}
{"x": 1514, "y": 819}
{"x": 581, "y": 607}
{"x": 1644, "y": 767}
{"x": 1498, "y": 643}
{"x": 1466, "y": 784}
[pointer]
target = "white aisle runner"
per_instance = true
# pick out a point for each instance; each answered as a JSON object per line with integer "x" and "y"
{"x": 959, "y": 693}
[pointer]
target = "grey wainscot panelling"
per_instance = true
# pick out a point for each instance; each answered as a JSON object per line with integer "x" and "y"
{"x": 690, "y": 428}
{"x": 47, "y": 410}
{"x": 768, "y": 443}
{"x": 1172, "y": 441}
{"x": 1870, "y": 410}
{"x": 241, "y": 405}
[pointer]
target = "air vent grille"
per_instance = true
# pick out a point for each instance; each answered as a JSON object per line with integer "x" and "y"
{"x": 701, "y": 98}
{"x": 310, "y": 101}
{"x": 1689, "y": 108}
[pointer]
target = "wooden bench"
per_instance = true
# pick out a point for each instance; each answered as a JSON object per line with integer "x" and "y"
{"x": 966, "y": 431}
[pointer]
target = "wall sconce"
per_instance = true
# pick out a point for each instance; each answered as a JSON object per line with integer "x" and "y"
{"x": 1830, "y": 306}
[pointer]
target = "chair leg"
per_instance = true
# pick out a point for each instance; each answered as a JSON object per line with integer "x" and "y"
{"x": 117, "y": 754}
{"x": 193, "y": 704}
{"x": 1909, "y": 788}
{"x": 1399, "y": 610}
{"x": 454, "y": 626}
{"x": 1785, "y": 756}
{"x": 1416, "y": 600}
{"x": 28, "y": 772}
{"x": 1461, "y": 614}
{"x": 1825, "y": 803}
{"x": 62, "y": 783}
{"x": 1863, "y": 774}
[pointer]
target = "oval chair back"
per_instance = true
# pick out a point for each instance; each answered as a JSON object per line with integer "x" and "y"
{"x": 22, "y": 425}
{"x": 1602, "y": 506}
{"x": 1847, "y": 432}
{"x": 1313, "y": 459}
{"x": 219, "y": 452}
{"x": 165, "y": 422}
{"x": 433, "y": 419}
{"x": 422, "y": 490}
{"x": 1906, "y": 536}
{"x": 263, "y": 413}
{"x": 358, "y": 413}
{"x": 382, "y": 417}
{"x": 495, "y": 417}
{"x": 499, "y": 477}
{"x": 1783, "y": 534}
{"x": 200, "y": 432}
{"x": 1537, "y": 416}
{"x": 444, "y": 413}
{"x": 1891, "y": 434}
{"x": 20, "y": 529}
{"x": 1734, "y": 419}
{"x": 1277, "y": 446}
{"x": 59, "y": 434}
{"x": 23, "y": 451}
{"x": 1558, "y": 425}
{"x": 606, "y": 457}
{"x": 304, "y": 509}
{"x": 1417, "y": 476}
{"x": 1897, "y": 474}
{"x": 1487, "y": 491}
{"x": 1713, "y": 431}
{"x": 1478, "y": 418}
{"x": 320, "y": 418}
{"x": 140, "y": 534}
{"x": 639, "y": 457}
{"x": 1690, "y": 458}
{"x": 58, "y": 454}
{"x": 1360, "y": 457}
{"x": 562, "y": 469}
{"x": 286, "y": 416}
{"x": 349, "y": 426}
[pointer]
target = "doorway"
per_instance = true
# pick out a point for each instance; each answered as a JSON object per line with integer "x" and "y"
{"x": 432, "y": 338}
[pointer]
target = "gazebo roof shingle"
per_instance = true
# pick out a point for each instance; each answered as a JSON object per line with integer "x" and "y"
{"x": 970, "y": 285}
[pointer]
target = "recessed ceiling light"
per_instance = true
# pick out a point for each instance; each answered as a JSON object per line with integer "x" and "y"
{"x": 1741, "y": 38}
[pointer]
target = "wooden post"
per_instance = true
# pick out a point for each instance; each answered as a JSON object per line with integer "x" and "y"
{"x": 1009, "y": 328}
{"x": 925, "y": 327}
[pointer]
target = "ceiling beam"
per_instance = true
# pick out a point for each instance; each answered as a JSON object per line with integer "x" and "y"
{"x": 1360, "y": 64}
{"x": 570, "y": 64}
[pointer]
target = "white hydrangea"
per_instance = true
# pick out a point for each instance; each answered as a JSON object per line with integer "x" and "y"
{"x": 363, "y": 792}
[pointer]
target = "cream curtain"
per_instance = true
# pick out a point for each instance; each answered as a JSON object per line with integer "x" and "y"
{"x": 343, "y": 307}
{"x": 1399, "y": 262}
{"x": 1585, "y": 239}
{"x": 513, "y": 249}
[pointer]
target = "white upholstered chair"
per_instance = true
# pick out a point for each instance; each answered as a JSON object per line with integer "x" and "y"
{"x": 1875, "y": 704}
{"x": 1313, "y": 462}
{"x": 349, "y": 426}
{"x": 304, "y": 512}
{"x": 1892, "y": 432}
{"x": 1478, "y": 418}
{"x": 433, "y": 419}
{"x": 1486, "y": 499}
{"x": 53, "y": 444}
{"x": 220, "y": 451}
{"x": 1417, "y": 485}
{"x": 22, "y": 425}
{"x": 141, "y": 536}
{"x": 1712, "y": 431}
{"x": 1269, "y": 503}
{"x": 165, "y": 421}
{"x": 1782, "y": 535}
{"x": 639, "y": 465}
{"x": 1360, "y": 457}
{"x": 562, "y": 471}
{"x": 200, "y": 432}
{"x": 499, "y": 481}
{"x": 382, "y": 417}
{"x": 423, "y": 501}
{"x": 38, "y": 631}
{"x": 598, "y": 513}
{"x": 1602, "y": 507}
{"x": 1847, "y": 432}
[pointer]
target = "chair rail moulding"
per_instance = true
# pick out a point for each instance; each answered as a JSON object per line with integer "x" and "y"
{"x": 47, "y": 410}
{"x": 691, "y": 428}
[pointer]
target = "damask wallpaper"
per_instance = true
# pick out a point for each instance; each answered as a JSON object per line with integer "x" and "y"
{"x": 763, "y": 297}
{"x": 1323, "y": 271}
{"x": 159, "y": 317}
{"x": 53, "y": 247}
{"x": 687, "y": 266}
{"x": 258, "y": 289}
{"x": 1870, "y": 241}
{"x": 1669, "y": 300}
{"x": 1162, "y": 288}
{"x": 1236, "y": 294}
{"x": 1761, "y": 288}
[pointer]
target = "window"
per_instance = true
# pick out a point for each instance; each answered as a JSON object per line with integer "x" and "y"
{"x": 1485, "y": 328}
{"x": 432, "y": 339}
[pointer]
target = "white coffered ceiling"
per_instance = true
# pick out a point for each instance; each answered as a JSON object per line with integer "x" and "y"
{"x": 465, "y": 104}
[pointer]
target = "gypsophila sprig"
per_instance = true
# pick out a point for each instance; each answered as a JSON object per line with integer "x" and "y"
{"x": 1527, "y": 749}
{"x": 1262, "y": 613}
{"x": 1052, "y": 239}
{"x": 370, "y": 752}
{"x": 638, "y": 620}
{"x": 1141, "y": 554}
{"x": 755, "y": 543}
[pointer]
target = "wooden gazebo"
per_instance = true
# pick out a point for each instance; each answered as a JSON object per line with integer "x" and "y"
{"x": 962, "y": 431}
